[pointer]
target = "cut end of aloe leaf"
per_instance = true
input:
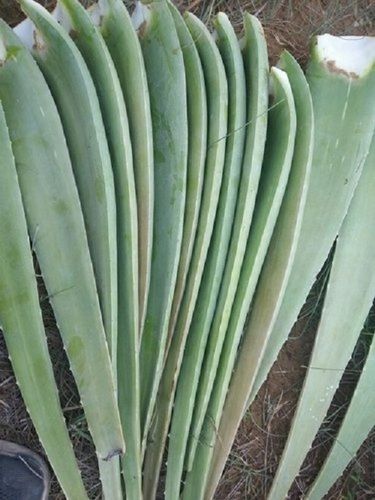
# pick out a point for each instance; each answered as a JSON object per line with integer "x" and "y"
{"x": 3, "y": 52}
{"x": 350, "y": 56}
{"x": 280, "y": 76}
{"x": 61, "y": 17}
{"x": 102, "y": 6}
{"x": 249, "y": 19}
{"x": 140, "y": 16}
{"x": 27, "y": 33}
{"x": 220, "y": 18}
{"x": 97, "y": 11}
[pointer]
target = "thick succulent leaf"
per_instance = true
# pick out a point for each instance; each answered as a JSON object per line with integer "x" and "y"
{"x": 256, "y": 65}
{"x": 22, "y": 325}
{"x": 217, "y": 105}
{"x": 74, "y": 93}
{"x": 270, "y": 287}
{"x": 90, "y": 42}
{"x": 197, "y": 143}
{"x": 118, "y": 32}
{"x": 75, "y": 96}
{"x": 167, "y": 84}
{"x": 278, "y": 155}
{"x": 205, "y": 302}
{"x": 350, "y": 292}
{"x": 340, "y": 150}
{"x": 56, "y": 227}
{"x": 197, "y": 127}
{"x": 358, "y": 422}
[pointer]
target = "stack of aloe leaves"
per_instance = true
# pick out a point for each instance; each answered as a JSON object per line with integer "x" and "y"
{"x": 180, "y": 198}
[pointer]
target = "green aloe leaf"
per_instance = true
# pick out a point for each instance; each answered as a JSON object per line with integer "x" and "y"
{"x": 358, "y": 422}
{"x": 217, "y": 107}
{"x": 256, "y": 66}
{"x": 197, "y": 143}
{"x": 277, "y": 161}
{"x": 74, "y": 93}
{"x": 270, "y": 287}
{"x": 91, "y": 44}
{"x": 350, "y": 292}
{"x": 225, "y": 83}
{"x": 167, "y": 85}
{"x": 197, "y": 128}
{"x": 56, "y": 226}
{"x": 23, "y": 329}
{"x": 338, "y": 98}
{"x": 206, "y": 301}
{"x": 118, "y": 32}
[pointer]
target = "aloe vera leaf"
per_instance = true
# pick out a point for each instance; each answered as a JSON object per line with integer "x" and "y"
{"x": 256, "y": 64}
{"x": 225, "y": 149}
{"x": 205, "y": 304}
{"x": 350, "y": 292}
{"x": 56, "y": 226}
{"x": 197, "y": 144}
{"x": 276, "y": 167}
{"x": 167, "y": 85}
{"x": 270, "y": 288}
{"x": 358, "y": 422}
{"x": 73, "y": 90}
{"x": 90, "y": 42}
{"x": 22, "y": 325}
{"x": 338, "y": 98}
{"x": 217, "y": 108}
{"x": 123, "y": 44}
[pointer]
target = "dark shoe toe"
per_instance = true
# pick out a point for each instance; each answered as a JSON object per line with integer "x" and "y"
{"x": 23, "y": 474}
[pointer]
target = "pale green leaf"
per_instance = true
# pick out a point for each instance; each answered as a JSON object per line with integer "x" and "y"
{"x": 119, "y": 34}
{"x": 167, "y": 85}
{"x": 358, "y": 422}
{"x": 197, "y": 128}
{"x": 22, "y": 325}
{"x": 275, "y": 173}
{"x": 256, "y": 66}
{"x": 125, "y": 345}
{"x": 56, "y": 227}
{"x": 350, "y": 292}
{"x": 270, "y": 287}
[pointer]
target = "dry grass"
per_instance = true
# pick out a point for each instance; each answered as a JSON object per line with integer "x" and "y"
{"x": 288, "y": 24}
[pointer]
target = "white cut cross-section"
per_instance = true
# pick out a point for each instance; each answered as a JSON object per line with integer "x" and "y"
{"x": 353, "y": 55}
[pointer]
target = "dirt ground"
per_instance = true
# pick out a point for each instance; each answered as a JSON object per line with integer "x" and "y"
{"x": 261, "y": 437}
